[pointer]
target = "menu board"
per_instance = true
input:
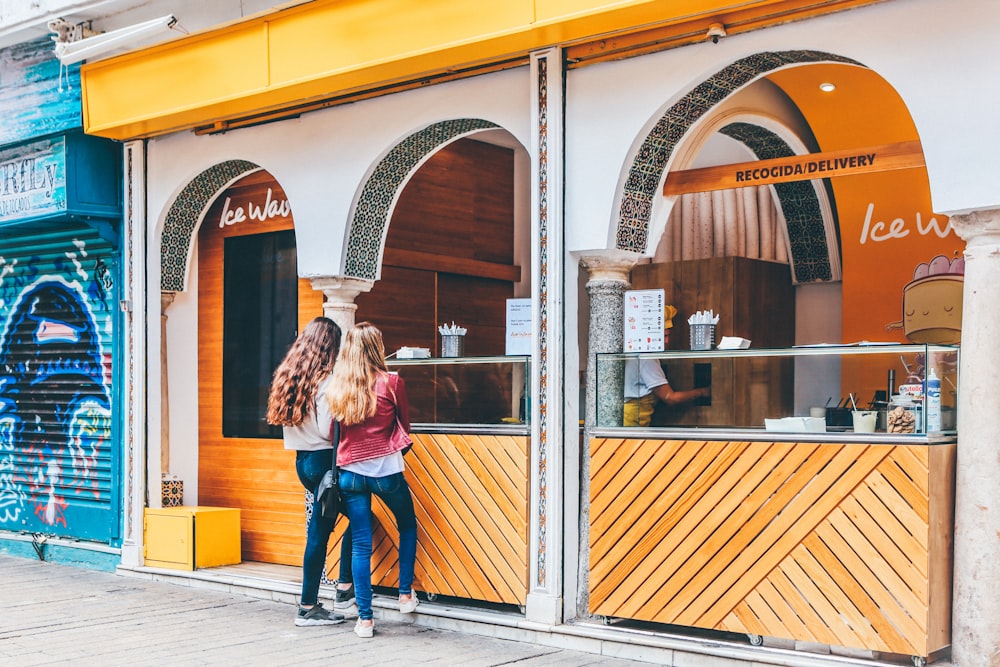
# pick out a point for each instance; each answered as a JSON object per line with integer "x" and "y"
{"x": 644, "y": 320}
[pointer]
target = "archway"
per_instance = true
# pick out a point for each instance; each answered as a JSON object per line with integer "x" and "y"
{"x": 371, "y": 213}
{"x": 184, "y": 215}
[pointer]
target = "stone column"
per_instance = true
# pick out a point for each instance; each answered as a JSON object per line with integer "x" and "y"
{"x": 340, "y": 293}
{"x": 166, "y": 298}
{"x": 976, "y": 605}
{"x": 608, "y": 272}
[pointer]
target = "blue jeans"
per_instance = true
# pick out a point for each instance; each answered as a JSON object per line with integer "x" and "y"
{"x": 310, "y": 467}
{"x": 395, "y": 493}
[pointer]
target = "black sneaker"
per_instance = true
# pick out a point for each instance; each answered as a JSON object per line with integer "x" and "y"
{"x": 344, "y": 598}
{"x": 317, "y": 616}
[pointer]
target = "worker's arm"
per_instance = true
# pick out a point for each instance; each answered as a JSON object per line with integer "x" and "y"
{"x": 668, "y": 396}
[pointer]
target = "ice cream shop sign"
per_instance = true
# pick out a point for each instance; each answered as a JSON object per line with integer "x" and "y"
{"x": 269, "y": 208}
{"x": 33, "y": 179}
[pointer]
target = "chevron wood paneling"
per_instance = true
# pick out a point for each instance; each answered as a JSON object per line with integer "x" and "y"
{"x": 841, "y": 544}
{"x": 470, "y": 494}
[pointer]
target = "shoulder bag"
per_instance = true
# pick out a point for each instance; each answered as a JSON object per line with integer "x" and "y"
{"x": 328, "y": 491}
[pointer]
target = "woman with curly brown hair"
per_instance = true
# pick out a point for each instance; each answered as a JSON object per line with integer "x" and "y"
{"x": 296, "y": 404}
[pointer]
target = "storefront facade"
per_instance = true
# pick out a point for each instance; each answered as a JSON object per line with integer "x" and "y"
{"x": 60, "y": 342}
{"x": 588, "y": 144}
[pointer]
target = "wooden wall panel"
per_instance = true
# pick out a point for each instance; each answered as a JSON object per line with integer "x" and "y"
{"x": 754, "y": 299}
{"x": 449, "y": 252}
{"x": 464, "y": 195}
{"x": 829, "y": 543}
{"x": 471, "y": 499}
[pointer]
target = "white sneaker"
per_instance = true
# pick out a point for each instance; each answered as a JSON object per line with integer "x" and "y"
{"x": 407, "y": 606}
{"x": 364, "y": 631}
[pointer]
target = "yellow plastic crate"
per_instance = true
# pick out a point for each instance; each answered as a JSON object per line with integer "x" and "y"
{"x": 187, "y": 538}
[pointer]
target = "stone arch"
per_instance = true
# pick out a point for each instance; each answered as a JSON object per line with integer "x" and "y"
{"x": 184, "y": 215}
{"x": 370, "y": 217}
{"x": 799, "y": 204}
{"x": 646, "y": 172}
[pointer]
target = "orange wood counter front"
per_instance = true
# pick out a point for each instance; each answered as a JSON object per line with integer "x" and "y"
{"x": 470, "y": 495}
{"x": 847, "y": 544}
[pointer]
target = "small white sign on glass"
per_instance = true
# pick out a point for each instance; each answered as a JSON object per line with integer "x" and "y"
{"x": 644, "y": 320}
{"x": 519, "y": 326}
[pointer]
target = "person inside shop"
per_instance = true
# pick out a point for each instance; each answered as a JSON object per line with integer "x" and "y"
{"x": 645, "y": 383}
{"x": 372, "y": 407}
{"x": 296, "y": 403}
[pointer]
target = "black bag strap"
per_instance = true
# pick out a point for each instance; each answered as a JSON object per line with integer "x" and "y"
{"x": 335, "y": 439}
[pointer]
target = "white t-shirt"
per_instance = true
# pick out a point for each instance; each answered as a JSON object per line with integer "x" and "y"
{"x": 383, "y": 466}
{"x": 313, "y": 433}
{"x": 642, "y": 376}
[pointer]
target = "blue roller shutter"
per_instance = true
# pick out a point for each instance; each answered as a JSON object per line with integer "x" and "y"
{"x": 59, "y": 446}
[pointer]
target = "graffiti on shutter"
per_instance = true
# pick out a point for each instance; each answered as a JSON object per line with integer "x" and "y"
{"x": 57, "y": 314}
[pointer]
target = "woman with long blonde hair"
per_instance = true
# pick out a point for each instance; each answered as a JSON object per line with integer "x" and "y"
{"x": 295, "y": 403}
{"x": 371, "y": 405}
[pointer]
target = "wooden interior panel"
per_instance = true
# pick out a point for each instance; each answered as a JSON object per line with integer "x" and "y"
{"x": 754, "y": 299}
{"x": 804, "y": 541}
{"x": 449, "y": 253}
{"x": 464, "y": 195}
{"x": 470, "y": 495}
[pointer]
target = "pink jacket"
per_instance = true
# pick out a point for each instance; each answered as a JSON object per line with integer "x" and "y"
{"x": 370, "y": 439}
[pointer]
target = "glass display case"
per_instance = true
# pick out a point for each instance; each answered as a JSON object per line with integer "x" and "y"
{"x": 467, "y": 391}
{"x": 898, "y": 389}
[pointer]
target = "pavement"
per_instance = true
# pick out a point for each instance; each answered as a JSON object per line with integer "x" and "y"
{"x": 53, "y": 614}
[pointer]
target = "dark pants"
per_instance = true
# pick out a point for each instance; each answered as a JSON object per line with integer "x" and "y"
{"x": 310, "y": 467}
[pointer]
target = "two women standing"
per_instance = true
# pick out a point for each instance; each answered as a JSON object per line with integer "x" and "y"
{"x": 308, "y": 392}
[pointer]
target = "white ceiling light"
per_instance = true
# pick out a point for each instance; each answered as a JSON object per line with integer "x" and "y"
{"x": 827, "y": 87}
{"x": 104, "y": 43}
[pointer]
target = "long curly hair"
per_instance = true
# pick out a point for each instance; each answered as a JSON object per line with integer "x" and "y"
{"x": 351, "y": 393}
{"x": 309, "y": 361}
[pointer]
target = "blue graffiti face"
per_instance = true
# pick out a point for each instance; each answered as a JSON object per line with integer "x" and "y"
{"x": 54, "y": 401}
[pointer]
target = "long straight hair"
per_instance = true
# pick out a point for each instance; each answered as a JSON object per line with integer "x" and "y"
{"x": 351, "y": 393}
{"x": 309, "y": 361}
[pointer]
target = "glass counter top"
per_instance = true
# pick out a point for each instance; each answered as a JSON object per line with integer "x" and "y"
{"x": 899, "y": 389}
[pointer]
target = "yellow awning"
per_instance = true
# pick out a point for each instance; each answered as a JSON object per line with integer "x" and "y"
{"x": 324, "y": 50}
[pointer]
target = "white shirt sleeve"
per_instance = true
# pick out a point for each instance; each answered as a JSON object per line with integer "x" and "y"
{"x": 642, "y": 376}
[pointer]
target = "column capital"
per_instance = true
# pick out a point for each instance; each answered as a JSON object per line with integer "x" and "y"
{"x": 341, "y": 289}
{"x": 608, "y": 264}
{"x": 340, "y": 293}
{"x": 166, "y": 298}
{"x": 977, "y": 227}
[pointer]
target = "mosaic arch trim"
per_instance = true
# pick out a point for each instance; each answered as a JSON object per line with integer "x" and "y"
{"x": 799, "y": 205}
{"x": 371, "y": 215}
{"x": 646, "y": 171}
{"x": 183, "y": 216}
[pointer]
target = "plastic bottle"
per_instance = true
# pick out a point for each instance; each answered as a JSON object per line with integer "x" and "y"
{"x": 933, "y": 403}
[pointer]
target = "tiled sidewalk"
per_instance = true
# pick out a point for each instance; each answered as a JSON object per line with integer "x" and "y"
{"x": 55, "y": 614}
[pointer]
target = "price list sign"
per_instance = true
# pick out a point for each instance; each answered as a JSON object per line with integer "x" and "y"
{"x": 644, "y": 320}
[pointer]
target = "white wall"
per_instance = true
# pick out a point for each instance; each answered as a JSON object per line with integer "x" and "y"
{"x": 322, "y": 159}
{"x": 926, "y": 50}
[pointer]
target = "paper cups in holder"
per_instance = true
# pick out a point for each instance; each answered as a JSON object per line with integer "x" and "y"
{"x": 702, "y": 336}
